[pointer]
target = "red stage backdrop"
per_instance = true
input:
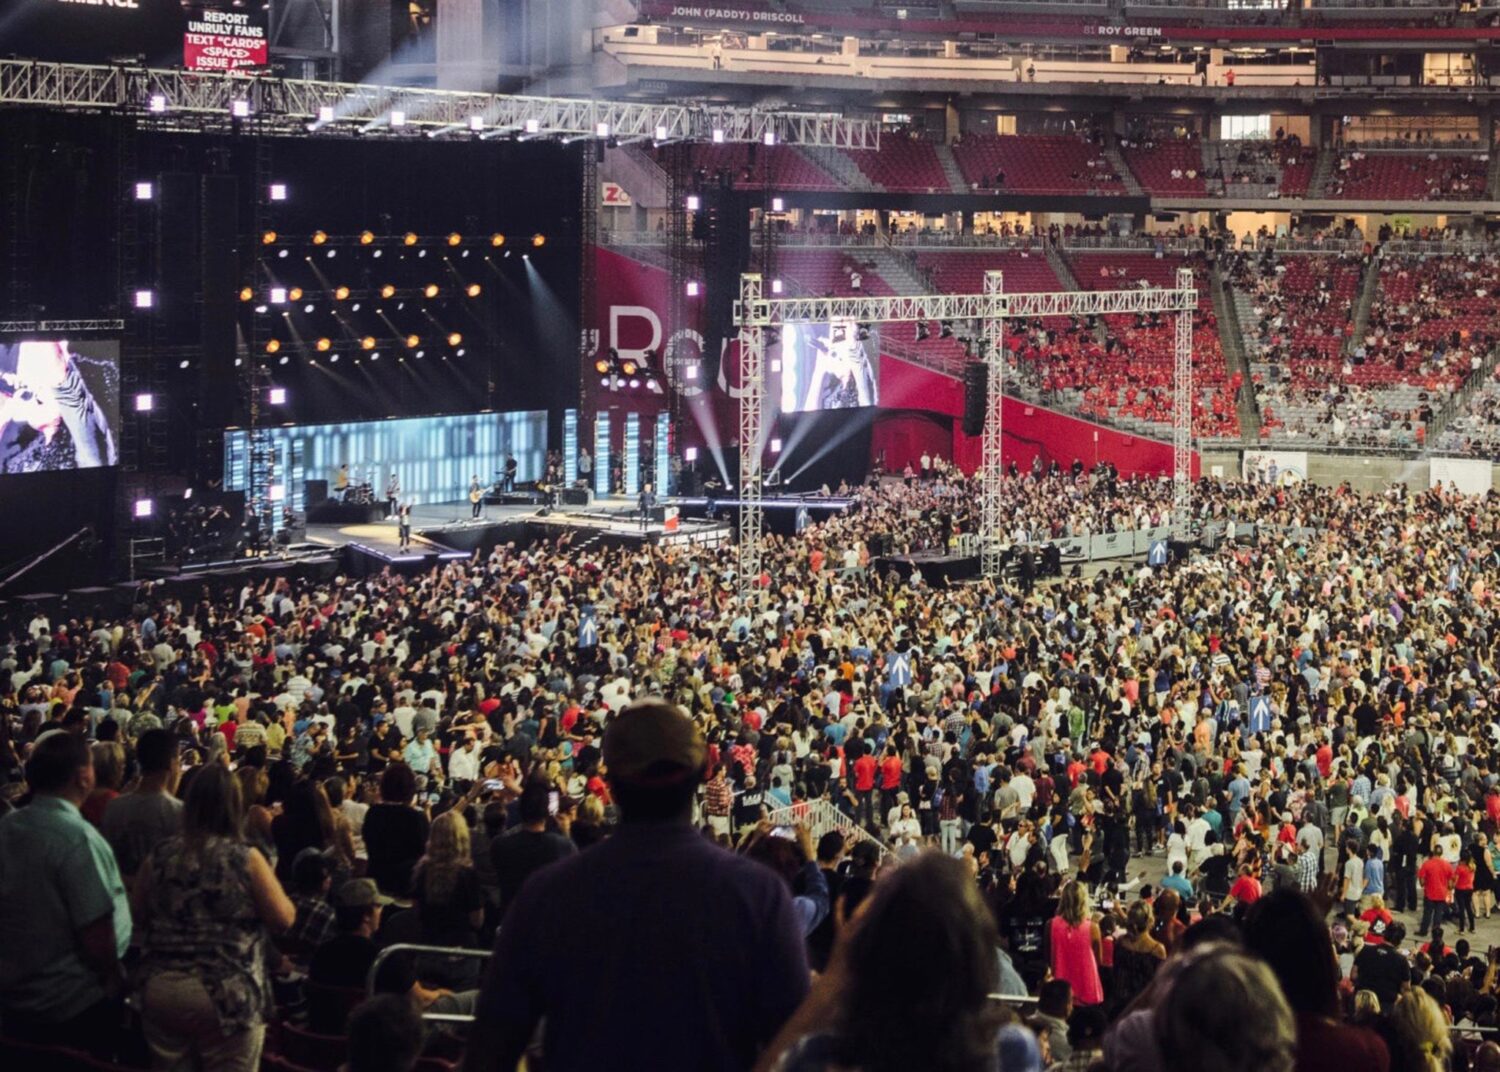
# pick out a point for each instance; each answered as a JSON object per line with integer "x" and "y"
{"x": 920, "y": 409}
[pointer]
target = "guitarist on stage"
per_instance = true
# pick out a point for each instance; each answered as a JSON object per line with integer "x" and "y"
{"x": 476, "y": 496}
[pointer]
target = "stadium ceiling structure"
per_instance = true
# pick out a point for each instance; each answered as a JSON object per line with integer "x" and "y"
{"x": 211, "y": 99}
{"x": 753, "y": 314}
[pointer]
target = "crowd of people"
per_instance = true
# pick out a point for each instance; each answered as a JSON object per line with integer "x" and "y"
{"x": 864, "y": 823}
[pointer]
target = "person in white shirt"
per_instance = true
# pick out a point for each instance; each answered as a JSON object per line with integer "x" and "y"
{"x": 463, "y": 762}
{"x": 402, "y": 717}
{"x": 1198, "y": 830}
{"x": 1025, "y": 789}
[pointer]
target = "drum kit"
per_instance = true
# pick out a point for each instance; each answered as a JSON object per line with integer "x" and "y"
{"x": 362, "y": 494}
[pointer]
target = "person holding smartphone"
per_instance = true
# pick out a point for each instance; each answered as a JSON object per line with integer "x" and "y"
{"x": 521, "y": 852}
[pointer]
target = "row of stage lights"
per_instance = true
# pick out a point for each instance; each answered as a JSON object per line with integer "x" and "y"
{"x": 409, "y": 239}
{"x": 617, "y": 373}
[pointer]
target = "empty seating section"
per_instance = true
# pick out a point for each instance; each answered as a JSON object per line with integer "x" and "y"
{"x": 1041, "y": 164}
{"x": 826, "y": 273}
{"x": 781, "y": 167}
{"x": 1171, "y": 166}
{"x": 1396, "y": 176}
{"x": 903, "y": 164}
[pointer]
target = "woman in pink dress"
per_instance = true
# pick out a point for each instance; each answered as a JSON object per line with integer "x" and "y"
{"x": 1076, "y": 945}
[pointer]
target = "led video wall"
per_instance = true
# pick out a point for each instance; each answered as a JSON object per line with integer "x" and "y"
{"x": 434, "y": 458}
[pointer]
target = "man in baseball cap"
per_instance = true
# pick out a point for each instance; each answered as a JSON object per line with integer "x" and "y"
{"x": 606, "y": 946}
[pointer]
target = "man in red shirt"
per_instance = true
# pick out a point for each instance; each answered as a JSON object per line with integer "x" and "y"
{"x": 1436, "y": 877}
{"x": 864, "y": 788}
{"x": 890, "y": 780}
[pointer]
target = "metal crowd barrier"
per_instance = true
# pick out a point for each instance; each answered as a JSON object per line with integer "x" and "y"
{"x": 437, "y": 950}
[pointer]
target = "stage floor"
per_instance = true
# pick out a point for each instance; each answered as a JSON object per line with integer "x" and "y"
{"x": 444, "y": 530}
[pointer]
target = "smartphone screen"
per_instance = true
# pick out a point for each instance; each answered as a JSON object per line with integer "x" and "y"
{"x": 552, "y": 801}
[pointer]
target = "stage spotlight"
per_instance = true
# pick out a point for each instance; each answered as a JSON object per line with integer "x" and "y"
{"x": 260, "y": 308}
{"x": 454, "y": 338}
{"x": 333, "y": 359}
{"x": 278, "y": 492}
{"x": 690, "y": 373}
{"x": 387, "y": 291}
{"x": 366, "y": 237}
{"x": 533, "y": 126}
{"x": 601, "y": 365}
{"x": 430, "y": 290}
{"x": 769, "y": 138}
{"x": 601, "y": 130}
{"x": 340, "y": 293}
{"x": 634, "y": 384}
{"x": 308, "y": 307}
{"x": 455, "y": 239}
{"x": 376, "y": 356}
{"x": 282, "y": 254}
{"x": 718, "y": 135}
{"x": 278, "y": 191}
{"x": 368, "y": 342}
{"x": 775, "y": 446}
{"x": 690, "y": 454}
{"x": 421, "y": 353}
{"x": 497, "y": 240}
{"x": 320, "y": 237}
{"x": 145, "y": 299}
{"x": 158, "y": 103}
{"x": 629, "y": 367}
{"x": 661, "y": 133}
{"x": 459, "y": 352}
{"x": 324, "y": 345}
{"x": 278, "y": 295}
{"x": 538, "y": 241}
{"x": 276, "y": 396}
{"x": 325, "y": 113}
{"x": 268, "y": 238}
{"x": 145, "y": 402}
{"x": 246, "y": 293}
{"x": 185, "y": 362}
{"x": 240, "y": 109}
{"x": 692, "y": 289}
{"x": 284, "y": 359}
{"x": 775, "y": 364}
{"x": 694, "y": 202}
{"x": 776, "y": 286}
{"x": 273, "y": 346}
{"x": 412, "y": 341}
{"x": 354, "y": 308}
{"x": 144, "y": 508}
{"x": 410, "y": 238}
{"x": 472, "y": 290}
{"x": 144, "y": 191}
{"x": 295, "y": 294}
{"x": 476, "y": 123}
{"x": 398, "y": 118}
{"x": 778, "y": 204}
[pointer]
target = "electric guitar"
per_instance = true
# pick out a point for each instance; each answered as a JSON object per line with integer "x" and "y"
{"x": 475, "y": 495}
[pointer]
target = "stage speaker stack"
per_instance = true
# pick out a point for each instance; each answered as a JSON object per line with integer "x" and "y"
{"x": 976, "y": 396}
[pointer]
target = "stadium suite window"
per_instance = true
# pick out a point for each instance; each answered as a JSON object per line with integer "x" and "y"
{"x": 1239, "y": 127}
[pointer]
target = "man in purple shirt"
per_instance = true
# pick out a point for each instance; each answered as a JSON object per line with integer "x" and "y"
{"x": 653, "y": 949}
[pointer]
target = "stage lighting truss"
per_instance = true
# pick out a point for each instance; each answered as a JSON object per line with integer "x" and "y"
{"x": 756, "y": 316}
{"x": 202, "y": 100}
{"x": 61, "y": 327}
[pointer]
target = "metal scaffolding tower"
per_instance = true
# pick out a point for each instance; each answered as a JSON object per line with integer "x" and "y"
{"x": 1182, "y": 413}
{"x": 753, "y": 314}
{"x": 752, "y": 410}
{"x": 992, "y": 468}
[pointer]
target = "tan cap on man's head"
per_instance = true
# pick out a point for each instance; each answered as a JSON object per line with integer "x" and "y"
{"x": 653, "y": 743}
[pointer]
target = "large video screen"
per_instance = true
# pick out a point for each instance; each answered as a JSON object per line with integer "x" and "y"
{"x": 828, "y": 366}
{"x": 59, "y": 405}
